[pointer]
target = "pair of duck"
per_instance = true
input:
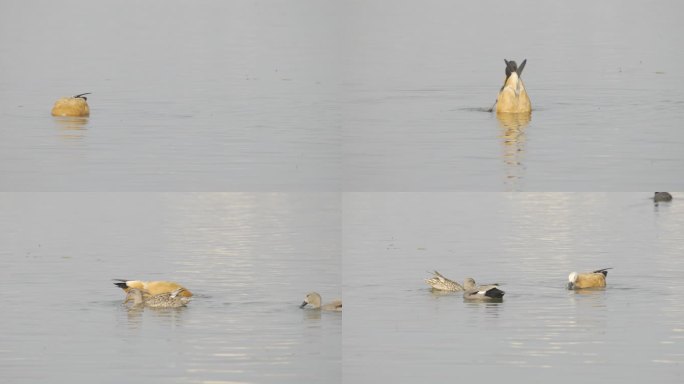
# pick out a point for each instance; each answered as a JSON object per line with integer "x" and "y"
{"x": 470, "y": 289}
{"x": 512, "y": 97}
{"x": 491, "y": 292}
{"x": 168, "y": 294}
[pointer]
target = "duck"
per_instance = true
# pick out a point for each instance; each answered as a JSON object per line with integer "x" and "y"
{"x": 595, "y": 279}
{"x": 513, "y": 97}
{"x": 489, "y": 292}
{"x": 441, "y": 283}
{"x": 174, "y": 299}
{"x": 662, "y": 196}
{"x": 75, "y": 106}
{"x": 314, "y": 300}
{"x": 152, "y": 287}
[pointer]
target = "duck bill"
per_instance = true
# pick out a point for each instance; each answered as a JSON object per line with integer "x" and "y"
{"x": 303, "y": 304}
{"x": 571, "y": 286}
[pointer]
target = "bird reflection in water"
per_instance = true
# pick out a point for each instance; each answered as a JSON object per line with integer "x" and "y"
{"x": 513, "y": 133}
{"x": 71, "y": 128}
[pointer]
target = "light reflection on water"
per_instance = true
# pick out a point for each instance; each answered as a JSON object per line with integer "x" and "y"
{"x": 422, "y": 77}
{"x": 528, "y": 243}
{"x": 248, "y": 258}
{"x": 513, "y": 134}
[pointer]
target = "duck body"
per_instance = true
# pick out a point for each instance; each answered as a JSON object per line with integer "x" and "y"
{"x": 76, "y": 106}
{"x": 314, "y": 300}
{"x": 152, "y": 287}
{"x": 596, "y": 279}
{"x": 513, "y": 96}
{"x": 441, "y": 283}
{"x": 662, "y": 196}
{"x": 474, "y": 292}
{"x": 173, "y": 299}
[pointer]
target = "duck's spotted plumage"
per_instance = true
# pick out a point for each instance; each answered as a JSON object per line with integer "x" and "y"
{"x": 441, "y": 283}
{"x": 173, "y": 299}
{"x": 662, "y": 196}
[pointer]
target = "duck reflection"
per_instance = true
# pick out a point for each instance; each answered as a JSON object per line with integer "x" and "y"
{"x": 513, "y": 133}
{"x": 71, "y": 127}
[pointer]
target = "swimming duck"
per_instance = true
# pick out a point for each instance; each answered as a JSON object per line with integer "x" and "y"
{"x": 172, "y": 299}
{"x": 441, "y": 283}
{"x": 314, "y": 300}
{"x": 72, "y": 106}
{"x": 662, "y": 196}
{"x": 596, "y": 279}
{"x": 481, "y": 292}
{"x": 152, "y": 287}
{"x": 513, "y": 96}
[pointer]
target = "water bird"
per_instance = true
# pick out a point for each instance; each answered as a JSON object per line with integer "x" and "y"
{"x": 513, "y": 97}
{"x": 152, "y": 287}
{"x": 441, "y": 283}
{"x": 489, "y": 292}
{"x": 75, "y": 106}
{"x": 596, "y": 279}
{"x": 314, "y": 300}
{"x": 174, "y": 299}
{"x": 662, "y": 196}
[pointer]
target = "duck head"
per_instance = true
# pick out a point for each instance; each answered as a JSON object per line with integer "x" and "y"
{"x": 572, "y": 279}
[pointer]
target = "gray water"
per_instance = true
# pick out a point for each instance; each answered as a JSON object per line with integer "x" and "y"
{"x": 186, "y": 96}
{"x": 249, "y": 259}
{"x": 323, "y": 95}
{"x": 397, "y": 331}
{"x": 604, "y": 79}
{"x": 296, "y": 111}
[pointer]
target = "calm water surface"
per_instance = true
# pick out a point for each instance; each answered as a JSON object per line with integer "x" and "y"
{"x": 249, "y": 259}
{"x": 322, "y": 95}
{"x": 396, "y": 330}
{"x": 603, "y": 77}
{"x": 217, "y": 95}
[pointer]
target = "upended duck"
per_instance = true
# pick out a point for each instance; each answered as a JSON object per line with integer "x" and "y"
{"x": 75, "y": 106}
{"x": 596, "y": 279}
{"x": 441, "y": 283}
{"x": 513, "y": 97}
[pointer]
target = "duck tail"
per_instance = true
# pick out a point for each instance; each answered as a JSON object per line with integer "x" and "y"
{"x": 495, "y": 293}
{"x": 521, "y": 67}
{"x": 604, "y": 271}
{"x": 121, "y": 283}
